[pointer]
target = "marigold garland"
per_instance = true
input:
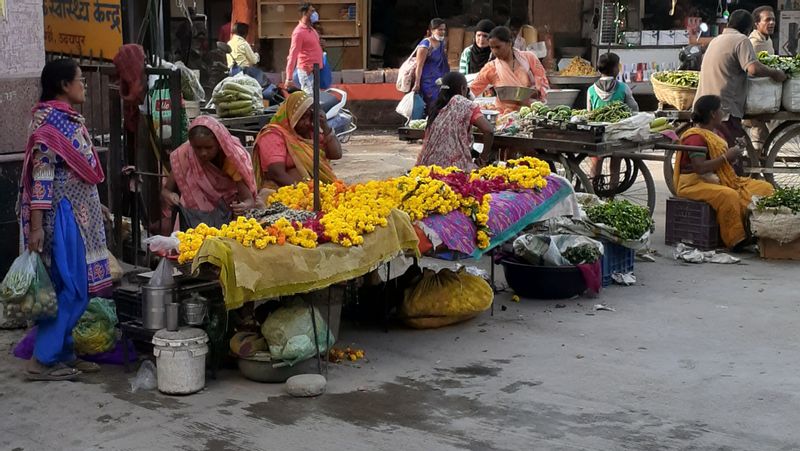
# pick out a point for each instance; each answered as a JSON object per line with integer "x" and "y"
{"x": 348, "y": 212}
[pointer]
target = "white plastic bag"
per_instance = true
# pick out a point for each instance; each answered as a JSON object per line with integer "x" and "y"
{"x": 635, "y": 128}
{"x": 763, "y": 96}
{"x": 146, "y": 378}
{"x": 411, "y": 106}
{"x": 791, "y": 95}
{"x": 160, "y": 244}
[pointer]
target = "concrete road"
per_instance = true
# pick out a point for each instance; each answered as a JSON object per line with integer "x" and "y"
{"x": 693, "y": 357}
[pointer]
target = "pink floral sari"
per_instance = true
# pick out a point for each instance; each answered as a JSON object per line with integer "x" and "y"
{"x": 448, "y": 140}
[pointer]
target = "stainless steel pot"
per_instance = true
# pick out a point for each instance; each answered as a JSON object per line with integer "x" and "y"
{"x": 154, "y": 306}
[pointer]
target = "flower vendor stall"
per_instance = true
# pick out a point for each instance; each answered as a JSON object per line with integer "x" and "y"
{"x": 362, "y": 226}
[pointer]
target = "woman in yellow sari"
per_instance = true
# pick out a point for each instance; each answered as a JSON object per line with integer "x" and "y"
{"x": 709, "y": 176}
{"x": 284, "y": 153}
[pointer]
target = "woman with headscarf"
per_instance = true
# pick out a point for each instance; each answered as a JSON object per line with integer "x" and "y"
{"x": 511, "y": 67}
{"x": 61, "y": 217}
{"x": 209, "y": 171}
{"x": 284, "y": 152}
{"x": 474, "y": 57}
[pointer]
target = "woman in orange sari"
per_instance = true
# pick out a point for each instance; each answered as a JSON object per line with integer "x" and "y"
{"x": 511, "y": 67}
{"x": 709, "y": 176}
{"x": 210, "y": 169}
{"x": 284, "y": 154}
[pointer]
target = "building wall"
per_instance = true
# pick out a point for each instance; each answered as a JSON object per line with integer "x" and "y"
{"x": 21, "y": 61}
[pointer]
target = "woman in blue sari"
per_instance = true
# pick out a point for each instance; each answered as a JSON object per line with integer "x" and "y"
{"x": 431, "y": 64}
{"x": 61, "y": 217}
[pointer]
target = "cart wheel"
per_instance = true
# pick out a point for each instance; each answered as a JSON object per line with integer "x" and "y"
{"x": 784, "y": 156}
{"x": 572, "y": 171}
{"x": 610, "y": 176}
{"x": 636, "y": 185}
{"x": 775, "y": 134}
{"x": 669, "y": 170}
{"x": 669, "y": 160}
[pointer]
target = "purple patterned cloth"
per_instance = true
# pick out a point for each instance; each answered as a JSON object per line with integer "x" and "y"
{"x": 510, "y": 212}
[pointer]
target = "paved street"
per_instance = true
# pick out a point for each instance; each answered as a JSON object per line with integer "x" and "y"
{"x": 694, "y": 357}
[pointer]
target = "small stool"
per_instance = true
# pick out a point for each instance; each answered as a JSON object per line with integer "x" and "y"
{"x": 693, "y": 223}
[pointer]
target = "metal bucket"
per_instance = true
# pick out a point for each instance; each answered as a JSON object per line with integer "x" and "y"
{"x": 194, "y": 313}
{"x": 154, "y": 306}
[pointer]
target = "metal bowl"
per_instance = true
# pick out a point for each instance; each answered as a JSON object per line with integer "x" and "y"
{"x": 258, "y": 367}
{"x": 513, "y": 93}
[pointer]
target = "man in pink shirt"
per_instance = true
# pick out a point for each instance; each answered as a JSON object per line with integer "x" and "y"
{"x": 305, "y": 50}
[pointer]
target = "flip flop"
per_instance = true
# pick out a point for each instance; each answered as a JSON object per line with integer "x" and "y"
{"x": 83, "y": 366}
{"x": 54, "y": 373}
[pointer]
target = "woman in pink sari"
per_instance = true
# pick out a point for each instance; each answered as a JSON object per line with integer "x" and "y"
{"x": 210, "y": 170}
{"x": 448, "y": 137}
{"x": 511, "y": 67}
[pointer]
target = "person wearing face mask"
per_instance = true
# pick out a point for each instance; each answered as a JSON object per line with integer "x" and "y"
{"x": 511, "y": 67}
{"x": 448, "y": 136}
{"x": 431, "y": 63}
{"x": 474, "y": 57}
{"x": 305, "y": 50}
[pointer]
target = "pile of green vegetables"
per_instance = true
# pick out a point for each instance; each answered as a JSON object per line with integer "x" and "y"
{"x": 418, "y": 124}
{"x": 585, "y": 253}
{"x": 612, "y": 113}
{"x": 682, "y": 78}
{"x": 782, "y": 197}
{"x": 631, "y": 221}
{"x": 789, "y": 64}
{"x": 238, "y": 96}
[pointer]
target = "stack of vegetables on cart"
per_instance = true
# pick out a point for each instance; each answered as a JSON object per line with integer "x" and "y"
{"x": 238, "y": 96}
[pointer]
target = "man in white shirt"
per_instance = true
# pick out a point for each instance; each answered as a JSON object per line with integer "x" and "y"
{"x": 761, "y": 37}
{"x": 764, "y": 18}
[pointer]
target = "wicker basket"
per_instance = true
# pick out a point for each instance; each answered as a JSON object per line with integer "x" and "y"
{"x": 680, "y": 97}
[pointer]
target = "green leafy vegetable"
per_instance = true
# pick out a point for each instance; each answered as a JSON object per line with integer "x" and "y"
{"x": 682, "y": 78}
{"x": 782, "y": 197}
{"x": 631, "y": 221}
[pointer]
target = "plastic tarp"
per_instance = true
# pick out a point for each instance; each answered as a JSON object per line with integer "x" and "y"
{"x": 248, "y": 274}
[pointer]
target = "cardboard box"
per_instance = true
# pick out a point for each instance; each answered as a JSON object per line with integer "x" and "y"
{"x": 649, "y": 37}
{"x": 666, "y": 37}
{"x": 632, "y": 37}
{"x": 353, "y": 76}
{"x": 373, "y": 77}
{"x": 390, "y": 75}
{"x": 681, "y": 37}
{"x": 772, "y": 249}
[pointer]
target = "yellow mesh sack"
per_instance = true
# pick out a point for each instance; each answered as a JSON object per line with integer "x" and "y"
{"x": 445, "y": 297}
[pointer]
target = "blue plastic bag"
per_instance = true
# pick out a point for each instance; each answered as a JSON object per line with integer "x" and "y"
{"x": 325, "y": 74}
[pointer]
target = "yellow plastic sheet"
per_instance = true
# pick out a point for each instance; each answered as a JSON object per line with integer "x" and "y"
{"x": 248, "y": 274}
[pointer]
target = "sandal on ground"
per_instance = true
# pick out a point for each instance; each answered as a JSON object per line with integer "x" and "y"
{"x": 53, "y": 373}
{"x": 83, "y": 366}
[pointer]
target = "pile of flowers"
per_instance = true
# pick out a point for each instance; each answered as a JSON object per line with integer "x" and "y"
{"x": 349, "y": 212}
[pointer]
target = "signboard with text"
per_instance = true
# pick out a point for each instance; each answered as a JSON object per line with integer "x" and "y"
{"x": 85, "y": 28}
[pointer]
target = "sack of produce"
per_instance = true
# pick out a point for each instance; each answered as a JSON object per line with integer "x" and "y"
{"x": 791, "y": 95}
{"x": 244, "y": 344}
{"x": 26, "y": 292}
{"x": 290, "y": 332}
{"x": 777, "y": 216}
{"x": 190, "y": 84}
{"x": 238, "y": 96}
{"x": 445, "y": 297}
{"x": 96, "y": 332}
{"x": 763, "y": 96}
